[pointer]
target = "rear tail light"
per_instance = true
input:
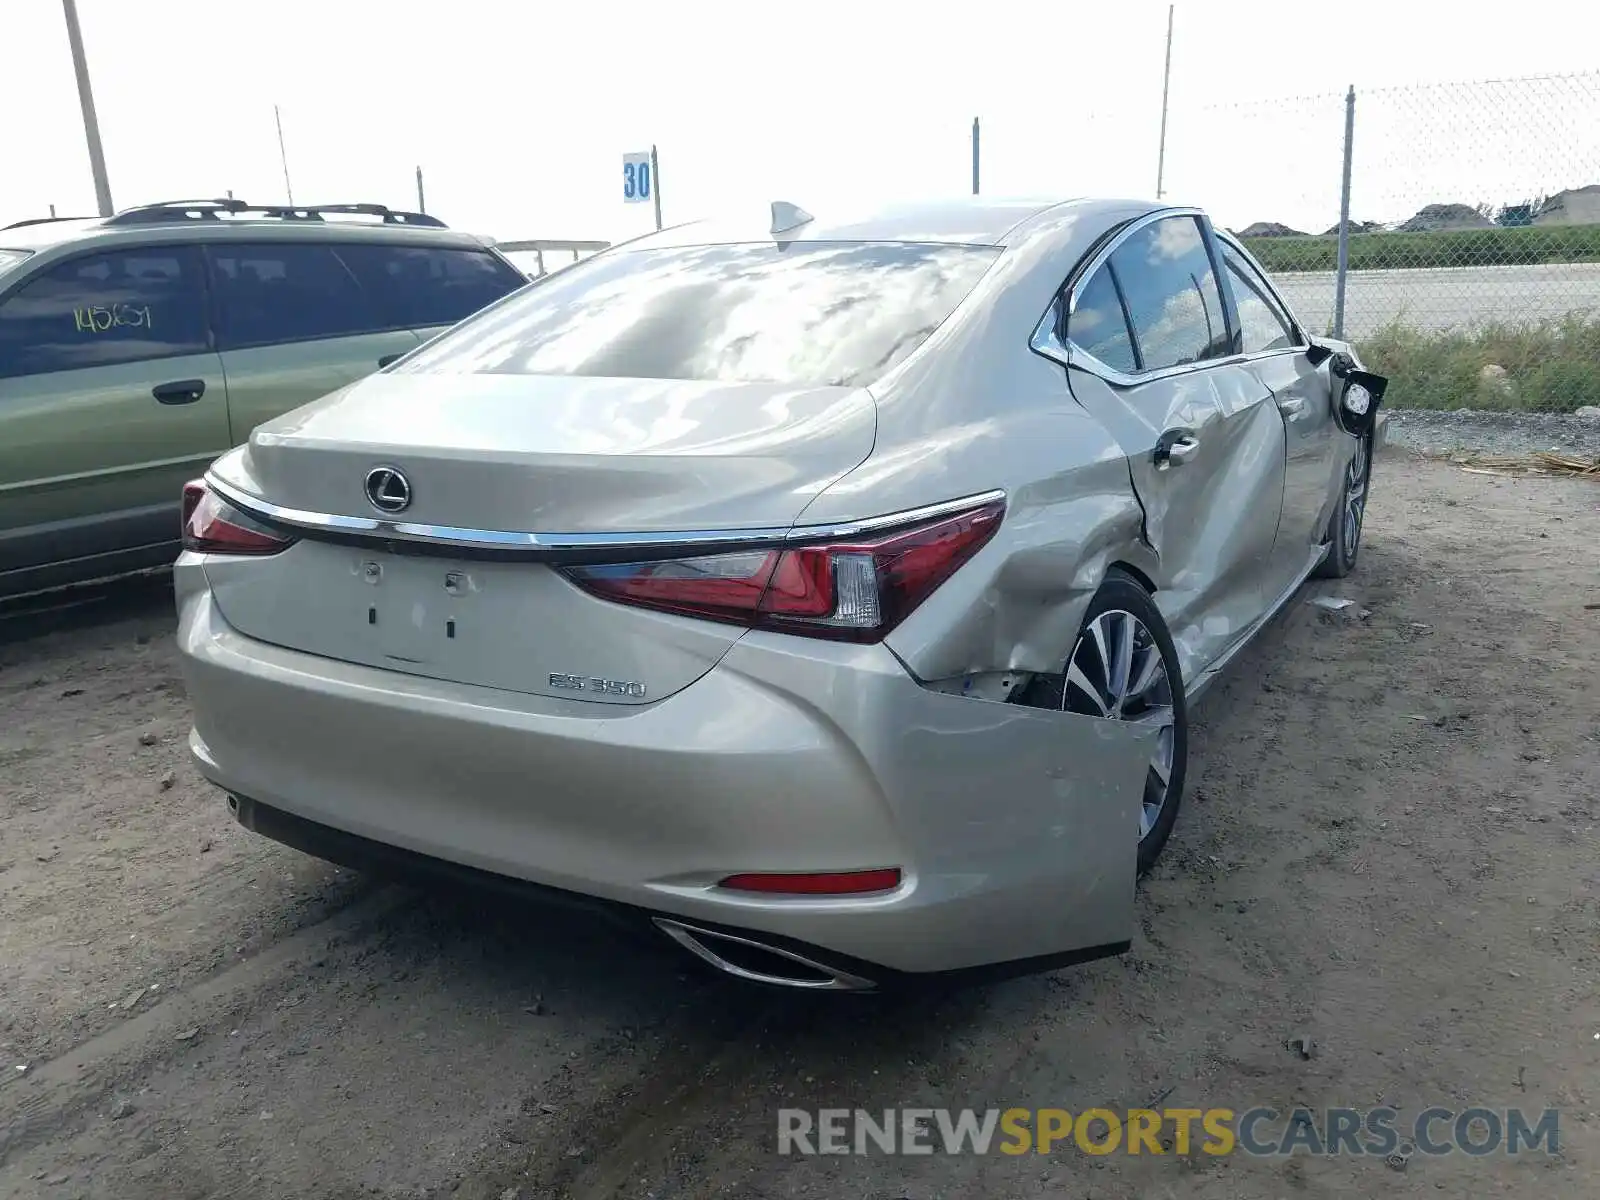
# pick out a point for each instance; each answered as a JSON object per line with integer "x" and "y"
{"x": 212, "y": 526}
{"x": 854, "y": 591}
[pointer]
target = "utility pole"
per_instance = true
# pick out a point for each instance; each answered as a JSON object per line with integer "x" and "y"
{"x": 974, "y": 156}
{"x": 1342, "y": 278}
{"x": 91, "y": 123}
{"x": 283, "y": 155}
{"x": 1166, "y": 83}
{"x": 655, "y": 185}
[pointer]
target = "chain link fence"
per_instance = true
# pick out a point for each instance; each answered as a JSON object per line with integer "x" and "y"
{"x": 1451, "y": 231}
{"x": 1472, "y": 261}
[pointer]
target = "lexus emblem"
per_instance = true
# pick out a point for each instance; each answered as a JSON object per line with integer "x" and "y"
{"x": 388, "y": 490}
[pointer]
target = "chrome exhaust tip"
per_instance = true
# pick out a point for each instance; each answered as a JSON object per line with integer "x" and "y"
{"x": 756, "y": 962}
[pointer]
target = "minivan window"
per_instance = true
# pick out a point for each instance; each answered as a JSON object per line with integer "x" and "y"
{"x": 101, "y": 309}
{"x": 274, "y": 292}
{"x": 419, "y": 286}
{"x": 802, "y": 313}
{"x": 1099, "y": 326}
{"x": 1173, "y": 298}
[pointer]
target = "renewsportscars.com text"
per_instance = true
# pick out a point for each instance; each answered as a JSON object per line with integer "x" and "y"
{"x": 1258, "y": 1132}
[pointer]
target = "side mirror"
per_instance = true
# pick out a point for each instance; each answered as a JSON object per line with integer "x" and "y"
{"x": 1360, "y": 394}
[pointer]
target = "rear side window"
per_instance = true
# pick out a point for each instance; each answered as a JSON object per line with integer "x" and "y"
{"x": 276, "y": 292}
{"x": 100, "y": 309}
{"x": 1100, "y": 327}
{"x": 1172, "y": 294}
{"x": 805, "y": 313}
{"x": 417, "y": 286}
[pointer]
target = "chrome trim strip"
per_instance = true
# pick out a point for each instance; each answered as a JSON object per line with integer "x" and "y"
{"x": 1045, "y": 342}
{"x": 909, "y": 516}
{"x": 513, "y": 540}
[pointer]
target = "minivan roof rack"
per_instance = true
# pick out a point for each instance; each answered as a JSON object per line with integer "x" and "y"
{"x": 40, "y": 221}
{"x": 166, "y": 211}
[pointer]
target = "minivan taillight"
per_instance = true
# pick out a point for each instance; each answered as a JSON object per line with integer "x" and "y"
{"x": 854, "y": 591}
{"x": 212, "y": 526}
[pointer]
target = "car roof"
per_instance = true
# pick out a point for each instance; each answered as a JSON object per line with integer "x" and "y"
{"x": 967, "y": 220}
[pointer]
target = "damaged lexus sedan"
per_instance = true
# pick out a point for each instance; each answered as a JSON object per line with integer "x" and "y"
{"x": 827, "y": 595}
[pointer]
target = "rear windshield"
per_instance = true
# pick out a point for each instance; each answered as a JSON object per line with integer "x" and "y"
{"x": 10, "y": 258}
{"x": 806, "y": 314}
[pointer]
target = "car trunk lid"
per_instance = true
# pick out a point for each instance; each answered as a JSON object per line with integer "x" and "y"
{"x": 553, "y": 454}
{"x": 529, "y": 454}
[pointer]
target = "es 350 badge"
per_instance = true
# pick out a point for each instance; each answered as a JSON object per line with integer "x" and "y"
{"x": 626, "y": 688}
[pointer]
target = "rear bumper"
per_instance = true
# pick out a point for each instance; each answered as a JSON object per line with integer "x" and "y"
{"x": 1013, "y": 827}
{"x": 636, "y": 925}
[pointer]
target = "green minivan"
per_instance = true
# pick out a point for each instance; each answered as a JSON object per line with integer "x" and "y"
{"x": 136, "y": 348}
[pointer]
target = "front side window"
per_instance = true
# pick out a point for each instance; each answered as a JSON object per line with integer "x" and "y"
{"x": 1172, "y": 294}
{"x": 805, "y": 313}
{"x": 420, "y": 286}
{"x": 1261, "y": 322}
{"x": 1099, "y": 326}
{"x": 276, "y": 292}
{"x": 102, "y": 309}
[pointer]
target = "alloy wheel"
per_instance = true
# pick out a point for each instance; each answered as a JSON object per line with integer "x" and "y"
{"x": 1117, "y": 672}
{"x": 1355, "y": 500}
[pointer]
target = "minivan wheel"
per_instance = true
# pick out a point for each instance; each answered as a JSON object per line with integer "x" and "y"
{"x": 1124, "y": 667}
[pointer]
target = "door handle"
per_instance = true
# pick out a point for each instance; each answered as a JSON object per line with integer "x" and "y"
{"x": 1175, "y": 448}
{"x": 1291, "y": 406}
{"x": 180, "y": 391}
{"x": 387, "y": 359}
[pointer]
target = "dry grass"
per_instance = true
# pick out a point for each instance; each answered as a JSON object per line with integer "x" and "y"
{"x": 1540, "y": 462}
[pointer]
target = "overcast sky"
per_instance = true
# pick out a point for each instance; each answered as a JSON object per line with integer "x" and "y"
{"x": 519, "y": 113}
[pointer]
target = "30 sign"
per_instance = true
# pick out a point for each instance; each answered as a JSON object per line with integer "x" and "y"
{"x": 638, "y": 182}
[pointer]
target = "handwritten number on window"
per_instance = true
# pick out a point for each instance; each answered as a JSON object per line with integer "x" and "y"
{"x": 102, "y": 318}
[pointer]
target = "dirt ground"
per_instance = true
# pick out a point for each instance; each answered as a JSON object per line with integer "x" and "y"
{"x": 1390, "y": 845}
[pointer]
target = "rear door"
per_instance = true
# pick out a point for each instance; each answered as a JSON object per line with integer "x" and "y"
{"x": 430, "y": 288}
{"x": 1153, "y": 353}
{"x": 293, "y": 325}
{"x": 1275, "y": 350}
{"x": 111, "y": 396}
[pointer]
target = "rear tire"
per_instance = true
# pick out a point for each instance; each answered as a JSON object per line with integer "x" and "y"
{"x": 1124, "y": 666}
{"x": 1349, "y": 518}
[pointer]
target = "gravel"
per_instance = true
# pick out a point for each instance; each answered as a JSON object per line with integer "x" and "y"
{"x": 1493, "y": 432}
